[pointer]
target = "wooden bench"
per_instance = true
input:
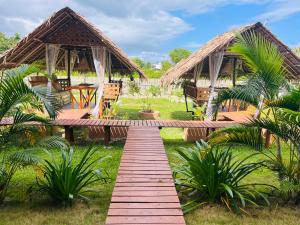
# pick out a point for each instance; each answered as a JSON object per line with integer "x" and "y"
{"x": 144, "y": 192}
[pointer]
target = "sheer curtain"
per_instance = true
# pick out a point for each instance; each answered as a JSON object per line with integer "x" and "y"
{"x": 198, "y": 71}
{"x": 99, "y": 59}
{"x": 73, "y": 57}
{"x": 52, "y": 51}
{"x": 215, "y": 63}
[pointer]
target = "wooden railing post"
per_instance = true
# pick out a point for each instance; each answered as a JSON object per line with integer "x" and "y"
{"x": 268, "y": 139}
{"x": 106, "y": 135}
{"x": 69, "y": 135}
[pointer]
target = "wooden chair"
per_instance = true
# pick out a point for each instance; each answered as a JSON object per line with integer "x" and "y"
{"x": 111, "y": 94}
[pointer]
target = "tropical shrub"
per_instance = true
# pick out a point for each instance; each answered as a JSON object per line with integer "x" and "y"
{"x": 277, "y": 115}
{"x": 11, "y": 162}
{"x": 65, "y": 180}
{"x": 214, "y": 175}
{"x": 133, "y": 88}
{"x": 16, "y": 98}
{"x": 154, "y": 90}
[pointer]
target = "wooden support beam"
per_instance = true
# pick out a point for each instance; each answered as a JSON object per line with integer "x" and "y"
{"x": 268, "y": 139}
{"x": 234, "y": 74}
{"x": 69, "y": 66}
{"x": 69, "y": 134}
{"x": 107, "y": 135}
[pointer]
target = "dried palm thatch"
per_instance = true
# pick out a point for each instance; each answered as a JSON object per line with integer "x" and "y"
{"x": 70, "y": 30}
{"x": 184, "y": 69}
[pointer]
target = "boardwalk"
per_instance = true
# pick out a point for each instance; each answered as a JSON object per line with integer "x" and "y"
{"x": 144, "y": 192}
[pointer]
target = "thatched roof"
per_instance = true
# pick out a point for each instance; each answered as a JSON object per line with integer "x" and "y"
{"x": 184, "y": 68}
{"x": 69, "y": 29}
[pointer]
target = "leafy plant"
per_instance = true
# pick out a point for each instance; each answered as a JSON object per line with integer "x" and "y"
{"x": 284, "y": 125}
{"x": 199, "y": 112}
{"x": 66, "y": 180}
{"x": 133, "y": 88}
{"x": 146, "y": 104}
{"x": 154, "y": 90}
{"x": 11, "y": 162}
{"x": 16, "y": 98}
{"x": 266, "y": 78}
{"x": 214, "y": 175}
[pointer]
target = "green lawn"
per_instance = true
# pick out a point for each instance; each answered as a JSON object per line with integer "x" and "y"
{"x": 22, "y": 209}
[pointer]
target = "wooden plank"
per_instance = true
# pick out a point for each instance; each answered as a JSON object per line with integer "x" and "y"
{"x": 145, "y": 219}
{"x": 144, "y": 191}
{"x": 145, "y": 212}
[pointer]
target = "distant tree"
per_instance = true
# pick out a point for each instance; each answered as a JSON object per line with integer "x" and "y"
{"x": 139, "y": 62}
{"x": 178, "y": 54}
{"x": 297, "y": 51}
{"x": 165, "y": 65}
{"x": 8, "y": 42}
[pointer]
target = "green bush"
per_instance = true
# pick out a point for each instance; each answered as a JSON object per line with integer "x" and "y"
{"x": 133, "y": 88}
{"x": 10, "y": 163}
{"x": 154, "y": 90}
{"x": 66, "y": 180}
{"x": 213, "y": 175}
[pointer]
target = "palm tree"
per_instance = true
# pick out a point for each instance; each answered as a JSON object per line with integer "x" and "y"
{"x": 16, "y": 96}
{"x": 279, "y": 115}
{"x": 266, "y": 76}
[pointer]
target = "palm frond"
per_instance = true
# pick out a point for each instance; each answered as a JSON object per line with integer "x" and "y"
{"x": 238, "y": 135}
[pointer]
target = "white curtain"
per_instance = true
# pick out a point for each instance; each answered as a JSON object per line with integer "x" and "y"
{"x": 215, "y": 63}
{"x": 99, "y": 59}
{"x": 108, "y": 63}
{"x": 52, "y": 51}
{"x": 198, "y": 71}
{"x": 73, "y": 58}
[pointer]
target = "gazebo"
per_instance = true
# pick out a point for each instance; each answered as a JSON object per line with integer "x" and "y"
{"x": 68, "y": 41}
{"x": 213, "y": 61}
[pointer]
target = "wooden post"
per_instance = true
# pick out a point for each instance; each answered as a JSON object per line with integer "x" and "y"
{"x": 106, "y": 135}
{"x": 69, "y": 135}
{"x": 268, "y": 139}
{"x": 69, "y": 66}
{"x": 234, "y": 75}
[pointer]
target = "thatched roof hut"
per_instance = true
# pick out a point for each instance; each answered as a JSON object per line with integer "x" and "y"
{"x": 73, "y": 32}
{"x": 185, "y": 68}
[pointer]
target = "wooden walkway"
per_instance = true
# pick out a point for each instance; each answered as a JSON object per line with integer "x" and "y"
{"x": 144, "y": 192}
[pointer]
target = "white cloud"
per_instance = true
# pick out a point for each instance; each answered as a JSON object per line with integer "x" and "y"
{"x": 279, "y": 10}
{"x": 138, "y": 26}
{"x": 153, "y": 57}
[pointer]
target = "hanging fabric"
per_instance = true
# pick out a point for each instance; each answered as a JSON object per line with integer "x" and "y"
{"x": 52, "y": 51}
{"x": 197, "y": 71}
{"x": 215, "y": 63}
{"x": 99, "y": 59}
{"x": 73, "y": 58}
{"x": 108, "y": 64}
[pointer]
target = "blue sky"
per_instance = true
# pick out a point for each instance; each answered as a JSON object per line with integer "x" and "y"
{"x": 151, "y": 28}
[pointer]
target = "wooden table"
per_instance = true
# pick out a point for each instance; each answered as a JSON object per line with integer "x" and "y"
{"x": 86, "y": 93}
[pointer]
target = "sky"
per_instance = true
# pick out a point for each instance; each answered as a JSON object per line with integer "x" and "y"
{"x": 149, "y": 29}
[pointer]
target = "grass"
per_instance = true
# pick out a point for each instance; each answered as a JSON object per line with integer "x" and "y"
{"x": 35, "y": 208}
{"x": 22, "y": 209}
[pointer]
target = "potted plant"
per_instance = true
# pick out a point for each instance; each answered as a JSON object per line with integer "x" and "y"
{"x": 196, "y": 134}
{"x": 147, "y": 112}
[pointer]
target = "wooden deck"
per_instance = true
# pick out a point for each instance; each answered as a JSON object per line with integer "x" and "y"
{"x": 72, "y": 121}
{"x": 144, "y": 192}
